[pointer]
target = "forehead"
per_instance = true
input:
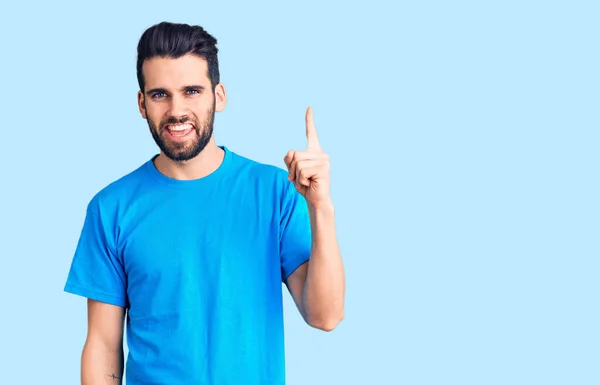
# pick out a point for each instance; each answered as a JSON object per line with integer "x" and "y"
{"x": 167, "y": 72}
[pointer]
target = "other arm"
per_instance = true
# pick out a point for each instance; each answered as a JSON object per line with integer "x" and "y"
{"x": 102, "y": 360}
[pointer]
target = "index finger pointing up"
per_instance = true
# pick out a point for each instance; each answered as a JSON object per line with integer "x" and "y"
{"x": 311, "y": 131}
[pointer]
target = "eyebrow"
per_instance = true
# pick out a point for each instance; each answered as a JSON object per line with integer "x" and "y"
{"x": 183, "y": 89}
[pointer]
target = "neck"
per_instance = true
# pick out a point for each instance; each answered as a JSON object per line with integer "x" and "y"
{"x": 202, "y": 165}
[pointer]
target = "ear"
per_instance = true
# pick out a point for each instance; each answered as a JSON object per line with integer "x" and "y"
{"x": 220, "y": 97}
{"x": 142, "y": 104}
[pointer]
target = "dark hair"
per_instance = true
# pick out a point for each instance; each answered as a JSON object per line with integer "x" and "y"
{"x": 171, "y": 40}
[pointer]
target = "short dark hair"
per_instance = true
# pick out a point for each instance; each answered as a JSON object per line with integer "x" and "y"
{"x": 174, "y": 40}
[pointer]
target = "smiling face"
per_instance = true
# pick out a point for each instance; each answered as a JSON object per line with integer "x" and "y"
{"x": 179, "y": 104}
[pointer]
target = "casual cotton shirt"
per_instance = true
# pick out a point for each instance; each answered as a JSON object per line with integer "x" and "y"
{"x": 199, "y": 265}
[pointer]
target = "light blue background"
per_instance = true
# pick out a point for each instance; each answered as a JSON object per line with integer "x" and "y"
{"x": 464, "y": 145}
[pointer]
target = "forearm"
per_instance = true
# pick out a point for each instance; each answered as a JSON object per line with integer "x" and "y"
{"x": 101, "y": 365}
{"x": 323, "y": 297}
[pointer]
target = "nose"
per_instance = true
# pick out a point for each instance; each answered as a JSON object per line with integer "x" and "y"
{"x": 178, "y": 107}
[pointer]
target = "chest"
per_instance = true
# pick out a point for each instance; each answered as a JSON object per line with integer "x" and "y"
{"x": 181, "y": 238}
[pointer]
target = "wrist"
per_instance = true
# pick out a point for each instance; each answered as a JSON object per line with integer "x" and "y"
{"x": 325, "y": 206}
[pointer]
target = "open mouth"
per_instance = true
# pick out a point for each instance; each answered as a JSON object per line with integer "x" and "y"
{"x": 179, "y": 131}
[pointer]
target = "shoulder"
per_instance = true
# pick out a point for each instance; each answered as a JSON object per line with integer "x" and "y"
{"x": 265, "y": 182}
{"x": 263, "y": 172}
{"x": 119, "y": 191}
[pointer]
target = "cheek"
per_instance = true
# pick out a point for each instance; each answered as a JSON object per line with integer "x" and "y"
{"x": 198, "y": 113}
{"x": 154, "y": 114}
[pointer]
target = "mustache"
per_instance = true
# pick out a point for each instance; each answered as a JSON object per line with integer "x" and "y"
{"x": 174, "y": 120}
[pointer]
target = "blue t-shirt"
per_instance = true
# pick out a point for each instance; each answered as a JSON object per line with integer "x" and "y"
{"x": 199, "y": 265}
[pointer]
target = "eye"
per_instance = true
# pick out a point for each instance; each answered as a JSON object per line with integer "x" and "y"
{"x": 158, "y": 95}
{"x": 193, "y": 92}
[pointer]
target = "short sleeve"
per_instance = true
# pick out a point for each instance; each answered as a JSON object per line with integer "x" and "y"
{"x": 295, "y": 232}
{"x": 96, "y": 271}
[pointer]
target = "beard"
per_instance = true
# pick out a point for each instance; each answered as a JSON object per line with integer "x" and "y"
{"x": 182, "y": 151}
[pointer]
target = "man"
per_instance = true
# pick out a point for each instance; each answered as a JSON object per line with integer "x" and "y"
{"x": 193, "y": 246}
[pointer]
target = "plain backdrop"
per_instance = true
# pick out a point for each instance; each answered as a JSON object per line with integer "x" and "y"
{"x": 463, "y": 138}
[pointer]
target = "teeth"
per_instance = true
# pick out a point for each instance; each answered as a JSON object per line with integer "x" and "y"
{"x": 179, "y": 127}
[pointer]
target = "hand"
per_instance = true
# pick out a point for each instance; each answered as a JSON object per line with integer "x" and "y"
{"x": 309, "y": 170}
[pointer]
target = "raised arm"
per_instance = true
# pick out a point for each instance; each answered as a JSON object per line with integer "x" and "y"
{"x": 102, "y": 359}
{"x": 318, "y": 286}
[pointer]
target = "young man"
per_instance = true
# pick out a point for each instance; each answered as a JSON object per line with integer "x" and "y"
{"x": 193, "y": 246}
